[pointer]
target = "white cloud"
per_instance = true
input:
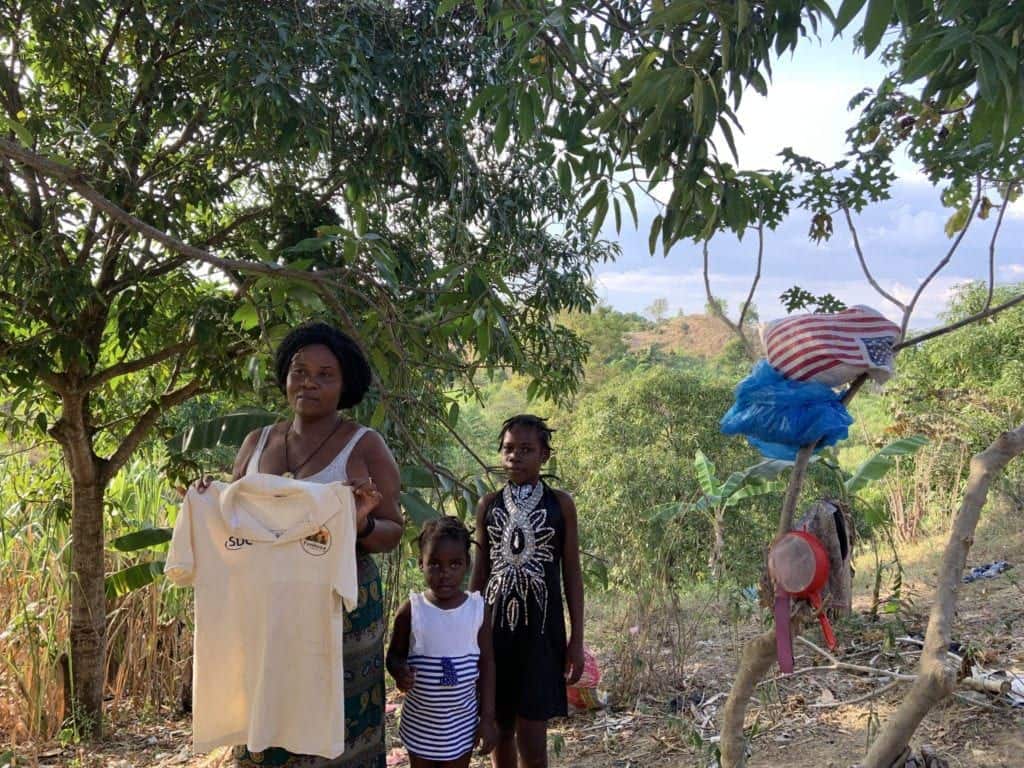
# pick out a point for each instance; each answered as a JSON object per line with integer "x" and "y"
{"x": 909, "y": 226}
{"x": 1014, "y": 270}
{"x": 658, "y": 282}
{"x": 634, "y": 290}
{"x": 1016, "y": 209}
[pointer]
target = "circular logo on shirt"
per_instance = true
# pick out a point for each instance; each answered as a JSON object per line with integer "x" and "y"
{"x": 319, "y": 543}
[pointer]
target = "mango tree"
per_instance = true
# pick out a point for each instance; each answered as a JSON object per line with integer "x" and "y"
{"x": 181, "y": 181}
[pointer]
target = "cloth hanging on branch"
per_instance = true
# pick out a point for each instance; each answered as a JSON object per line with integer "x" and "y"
{"x": 832, "y": 349}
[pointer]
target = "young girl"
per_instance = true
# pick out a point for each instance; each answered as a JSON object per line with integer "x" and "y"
{"x": 440, "y": 656}
{"x": 528, "y": 539}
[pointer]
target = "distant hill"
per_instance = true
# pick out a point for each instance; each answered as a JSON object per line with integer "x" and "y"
{"x": 694, "y": 335}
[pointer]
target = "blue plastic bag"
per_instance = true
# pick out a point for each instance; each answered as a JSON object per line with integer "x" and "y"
{"x": 778, "y": 416}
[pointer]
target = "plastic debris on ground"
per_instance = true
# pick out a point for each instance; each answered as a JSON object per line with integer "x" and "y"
{"x": 778, "y": 415}
{"x": 987, "y": 571}
{"x": 584, "y": 694}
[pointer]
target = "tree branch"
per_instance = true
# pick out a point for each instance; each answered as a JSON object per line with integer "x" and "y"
{"x": 100, "y": 378}
{"x": 936, "y": 679}
{"x": 757, "y": 274}
{"x": 114, "y": 33}
{"x": 864, "y": 264}
{"x": 716, "y": 310}
{"x": 144, "y": 424}
{"x": 909, "y": 310}
{"x": 758, "y": 655}
{"x": 960, "y": 323}
{"x": 992, "y": 253}
{"x": 73, "y": 178}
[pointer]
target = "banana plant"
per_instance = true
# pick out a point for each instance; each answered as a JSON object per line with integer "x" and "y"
{"x": 720, "y": 496}
{"x": 876, "y": 467}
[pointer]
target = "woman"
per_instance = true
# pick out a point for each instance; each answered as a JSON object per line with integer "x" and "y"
{"x": 322, "y": 371}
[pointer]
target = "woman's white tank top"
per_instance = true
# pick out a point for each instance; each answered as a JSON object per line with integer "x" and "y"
{"x": 336, "y": 471}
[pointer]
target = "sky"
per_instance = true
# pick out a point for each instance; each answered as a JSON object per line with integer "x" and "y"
{"x": 902, "y": 239}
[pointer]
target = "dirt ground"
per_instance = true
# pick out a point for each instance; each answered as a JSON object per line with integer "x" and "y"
{"x": 816, "y": 718}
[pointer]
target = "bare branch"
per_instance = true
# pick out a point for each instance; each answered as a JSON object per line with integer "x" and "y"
{"x": 100, "y": 378}
{"x": 114, "y": 33}
{"x": 757, "y": 274}
{"x": 864, "y": 264}
{"x": 992, "y": 253}
{"x": 716, "y": 310}
{"x": 909, "y": 310}
{"x": 960, "y": 323}
{"x": 414, "y": 446}
{"x": 10, "y": 91}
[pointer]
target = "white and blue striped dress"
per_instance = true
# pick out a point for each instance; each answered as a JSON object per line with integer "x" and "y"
{"x": 440, "y": 713}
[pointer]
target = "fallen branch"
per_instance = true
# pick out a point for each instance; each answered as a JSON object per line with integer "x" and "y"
{"x": 857, "y": 699}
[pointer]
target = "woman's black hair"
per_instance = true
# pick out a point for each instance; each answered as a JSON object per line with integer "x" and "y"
{"x": 444, "y": 527}
{"x": 355, "y": 370}
{"x": 544, "y": 432}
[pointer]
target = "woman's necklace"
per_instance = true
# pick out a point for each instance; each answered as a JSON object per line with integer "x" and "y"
{"x": 291, "y": 473}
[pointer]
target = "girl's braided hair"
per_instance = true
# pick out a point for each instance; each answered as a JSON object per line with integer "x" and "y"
{"x": 444, "y": 527}
{"x": 528, "y": 420}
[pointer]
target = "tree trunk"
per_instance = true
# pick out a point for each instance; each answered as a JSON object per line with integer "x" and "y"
{"x": 718, "y": 547}
{"x": 88, "y": 598}
{"x": 88, "y": 608}
{"x": 936, "y": 679}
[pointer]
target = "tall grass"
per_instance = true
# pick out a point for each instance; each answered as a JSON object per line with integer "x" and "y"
{"x": 148, "y": 631}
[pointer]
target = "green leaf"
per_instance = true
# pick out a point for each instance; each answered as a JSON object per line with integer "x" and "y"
{"x": 847, "y": 11}
{"x": 524, "y": 115}
{"x": 418, "y": 510}
{"x": 483, "y": 339}
{"x": 876, "y": 21}
{"x": 742, "y": 14}
{"x": 697, "y": 105}
{"x": 417, "y": 477}
{"x": 24, "y": 134}
{"x": 310, "y": 245}
{"x": 142, "y": 539}
{"x": 600, "y": 213}
{"x": 754, "y": 490}
{"x": 135, "y": 577}
{"x": 227, "y": 430}
{"x": 379, "y": 416}
{"x": 501, "y": 126}
{"x": 627, "y": 193}
{"x": 564, "y": 177}
{"x": 677, "y": 12}
{"x": 246, "y": 316}
{"x": 652, "y": 238}
{"x": 957, "y": 221}
{"x": 876, "y": 467}
{"x": 705, "y": 471}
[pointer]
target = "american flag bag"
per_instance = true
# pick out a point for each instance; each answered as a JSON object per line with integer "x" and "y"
{"x": 832, "y": 349}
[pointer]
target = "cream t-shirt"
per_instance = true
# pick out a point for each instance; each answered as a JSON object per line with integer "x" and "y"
{"x": 273, "y": 564}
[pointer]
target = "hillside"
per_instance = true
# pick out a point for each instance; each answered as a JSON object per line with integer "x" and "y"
{"x": 693, "y": 335}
